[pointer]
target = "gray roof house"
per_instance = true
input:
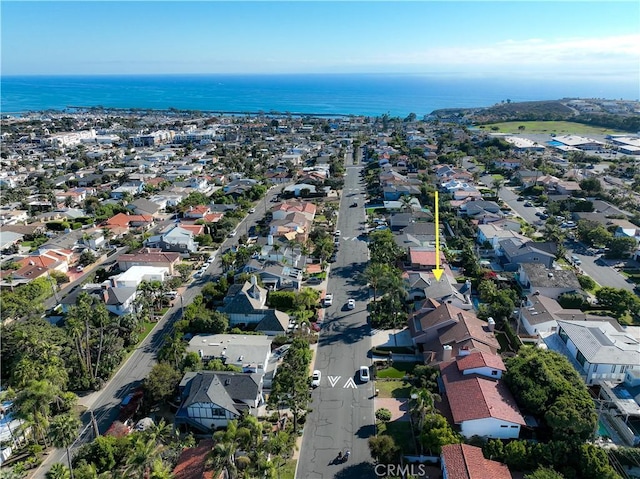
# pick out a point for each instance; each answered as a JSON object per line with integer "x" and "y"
{"x": 539, "y": 315}
{"x": 599, "y": 350}
{"x": 515, "y": 252}
{"x": 535, "y": 277}
{"x": 274, "y": 275}
{"x": 142, "y": 206}
{"x": 211, "y": 399}
{"x": 175, "y": 239}
{"x": 250, "y": 352}
{"x": 246, "y": 304}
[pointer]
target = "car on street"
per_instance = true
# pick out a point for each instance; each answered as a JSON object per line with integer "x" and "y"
{"x": 351, "y": 303}
{"x": 528, "y": 204}
{"x": 575, "y": 260}
{"x": 336, "y": 233}
{"x": 315, "y": 379}
{"x": 364, "y": 374}
{"x": 328, "y": 300}
{"x": 232, "y": 234}
{"x": 354, "y": 204}
{"x": 252, "y": 210}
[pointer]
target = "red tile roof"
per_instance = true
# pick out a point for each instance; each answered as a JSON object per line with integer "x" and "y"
{"x": 425, "y": 258}
{"x": 475, "y": 397}
{"x": 462, "y": 461}
{"x": 192, "y": 461}
{"x": 481, "y": 359}
{"x": 123, "y": 220}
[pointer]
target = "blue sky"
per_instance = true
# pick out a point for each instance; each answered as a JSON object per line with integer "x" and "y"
{"x": 507, "y": 38}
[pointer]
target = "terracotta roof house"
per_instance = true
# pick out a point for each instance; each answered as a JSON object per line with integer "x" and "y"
{"x": 192, "y": 463}
{"x": 433, "y": 328}
{"x": 424, "y": 258}
{"x": 197, "y": 212}
{"x": 480, "y": 403}
{"x": 246, "y": 304}
{"x": 282, "y": 210}
{"x": 210, "y": 399}
{"x": 462, "y": 461}
{"x": 150, "y": 257}
{"x": 122, "y": 220}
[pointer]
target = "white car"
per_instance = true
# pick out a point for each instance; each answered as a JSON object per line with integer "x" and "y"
{"x": 232, "y": 234}
{"x": 315, "y": 379}
{"x": 252, "y": 210}
{"x": 364, "y": 374}
{"x": 351, "y": 304}
{"x": 328, "y": 300}
{"x": 337, "y": 233}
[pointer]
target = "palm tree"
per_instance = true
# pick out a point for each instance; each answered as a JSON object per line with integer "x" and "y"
{"x": 376, "y": 274}
{"x": 160, "y": 470}
{"x": 497, "y": 184}
{"x": 33, "y": 403}
{"x": 64, "y": 431}
{"x": 140, "y": 459}
{"x": 58, "y": 471}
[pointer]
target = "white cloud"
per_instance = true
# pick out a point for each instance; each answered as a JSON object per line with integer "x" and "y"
{"x": 571, "y": 55}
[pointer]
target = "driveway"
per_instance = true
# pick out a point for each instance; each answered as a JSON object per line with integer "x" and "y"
{"x": 398, "y": 407}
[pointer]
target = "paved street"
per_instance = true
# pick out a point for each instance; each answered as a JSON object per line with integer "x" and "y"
{"x": 342, "y": 407}
{"x": 105, "y": 402}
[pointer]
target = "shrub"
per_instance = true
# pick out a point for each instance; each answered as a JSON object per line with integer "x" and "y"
{"x": 383, "y": 414}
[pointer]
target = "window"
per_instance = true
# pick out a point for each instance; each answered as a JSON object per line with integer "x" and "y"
{"x": 563, "y": 336}
{"x": 494, "y": 372}
{"x": 613, "y": 368}
{"x": 503, "y": 425}
{"x": 595, "y": 368}
{"x": 580, "y": 358}
{"x": 514, "y": 427}
{"x": 624, "y": 368}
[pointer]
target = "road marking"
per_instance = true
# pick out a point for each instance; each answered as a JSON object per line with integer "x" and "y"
{"x": 350, "y": 384}
{"x": 333, "y": 380}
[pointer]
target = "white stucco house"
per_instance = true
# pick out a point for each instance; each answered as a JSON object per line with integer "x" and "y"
{"x": 599, "y": 350}
{"x": 480, "y": 402}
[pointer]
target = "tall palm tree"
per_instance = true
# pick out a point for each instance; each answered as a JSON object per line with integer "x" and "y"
{"x": 376, "y": 274}
{"x": 63, "y": 432}
{"x": 33, "y": 403}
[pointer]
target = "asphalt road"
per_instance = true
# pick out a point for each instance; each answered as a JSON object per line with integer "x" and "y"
{"x": 105, "y": 403}
{"x": 342, "y": 416}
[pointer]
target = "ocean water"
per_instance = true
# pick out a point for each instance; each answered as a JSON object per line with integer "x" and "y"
{"x": 336, "y": 94}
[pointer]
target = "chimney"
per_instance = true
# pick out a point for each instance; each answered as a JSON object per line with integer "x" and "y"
{"x": 270, "y": 240}
{"x": 464, "y": 351}
{"x": 446, "y": 353}
{"x": 492, "y": 324}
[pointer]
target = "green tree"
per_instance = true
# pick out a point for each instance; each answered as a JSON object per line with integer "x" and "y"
{"x": 544, "y": 473}
{"x": 376, "y": 274}
{"x": 384, "y": 449}
{"x": 58, "y": 471}
{"x": 436, "y": 433}
{"x": 619, "y": 301}
{"x": 383, "y": 248}
{"x": 621, "y": 247}
{"x": 162, "y": 382}
{"x": 63, "y": 432}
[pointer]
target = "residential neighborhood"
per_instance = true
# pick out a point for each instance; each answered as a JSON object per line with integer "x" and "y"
{"x": 215, "y": 285}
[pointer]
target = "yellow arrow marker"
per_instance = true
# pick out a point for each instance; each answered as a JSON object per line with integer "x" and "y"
{"x": 437, "y": 272}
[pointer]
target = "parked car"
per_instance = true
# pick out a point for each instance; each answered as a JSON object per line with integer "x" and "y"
{"x": 328, "y": 299}
{"x": 232, "y": 234}
{"x": 576, "y": 260}
{"x": 351, "y": 303}
{"x": 315, "y": 379}
{"x": 252, "y": 210}
{"x": 364, "y": 374}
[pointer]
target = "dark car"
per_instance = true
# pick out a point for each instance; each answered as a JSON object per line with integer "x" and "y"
{"x": 354, "y": 204}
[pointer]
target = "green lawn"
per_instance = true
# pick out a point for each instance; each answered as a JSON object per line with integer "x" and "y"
{"x": 393, "y": 388}
{"x": 288, "y": 471}
{"x": 401, "y": 433}
{"x": 397, "y": 371}
{"x": 557, "y": 127}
